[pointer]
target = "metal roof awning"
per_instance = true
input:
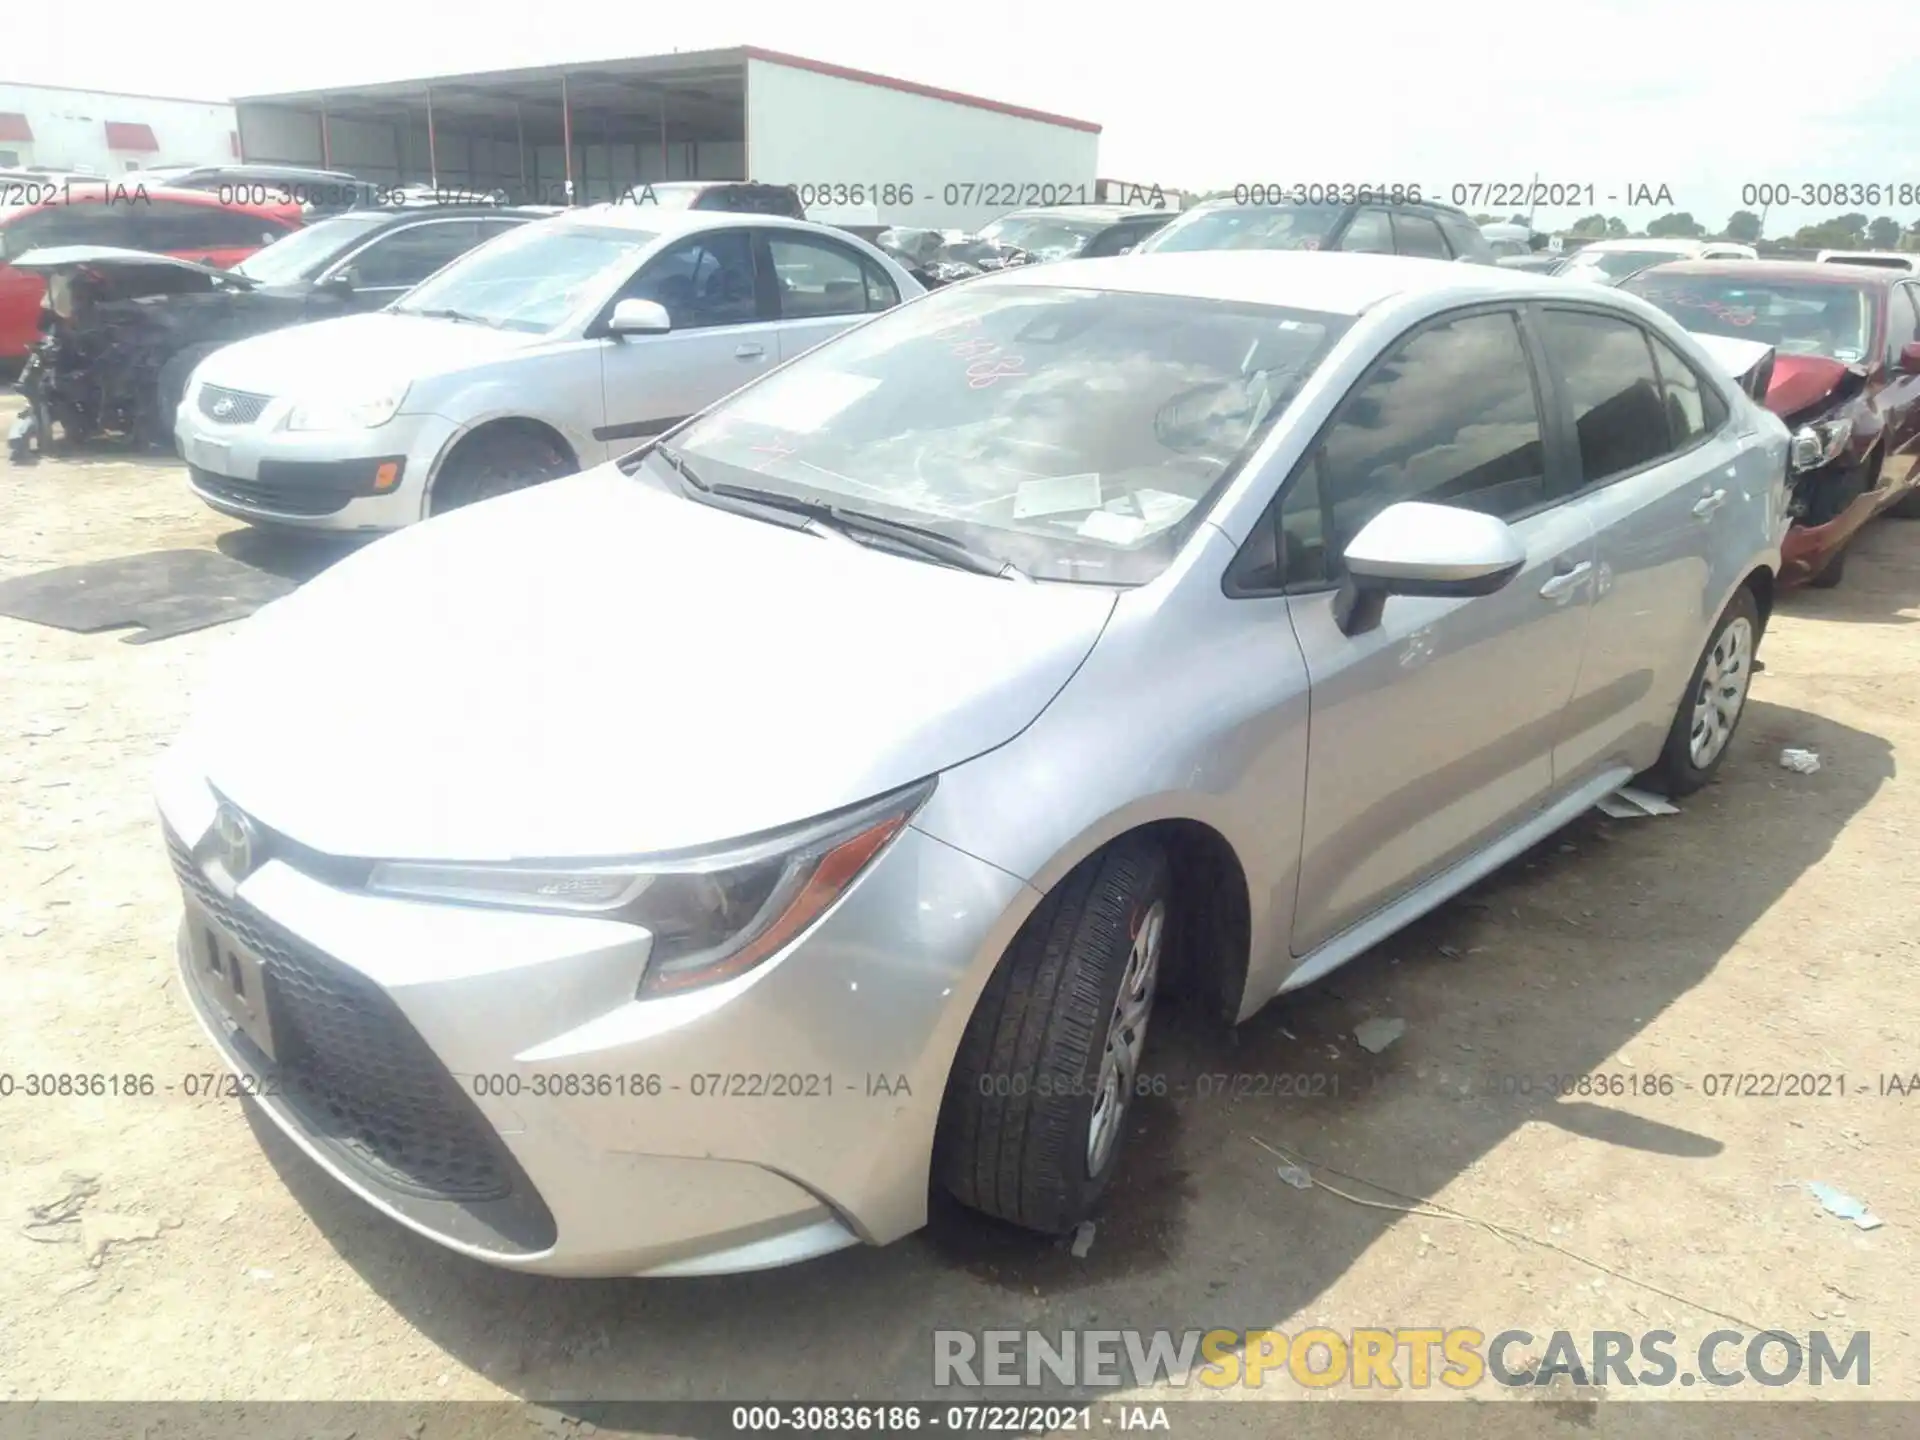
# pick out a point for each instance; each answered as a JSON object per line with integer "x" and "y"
{"x": 124, "y": 135}
{"x": 15, "y": 127}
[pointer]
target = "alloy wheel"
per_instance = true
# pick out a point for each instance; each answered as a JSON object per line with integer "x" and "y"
{"x": 1126, "y": 1037}
{"x": 1723, "y": 690}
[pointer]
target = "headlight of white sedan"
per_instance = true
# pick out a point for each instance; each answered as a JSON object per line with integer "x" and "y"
{"x": 348, "y": 409}
{"x": 713, "y": 915}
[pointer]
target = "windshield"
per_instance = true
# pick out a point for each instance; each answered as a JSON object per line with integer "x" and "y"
{"x": 1618, "y": 264}
{"x": 1247, "y": 227}
{"x": 1796, "y": 319}
{"x": 531, "y": 278}
{"x": 308, "y": 249}
{"x": 1048, "y": 236}
{"x": 1077, "y": 434}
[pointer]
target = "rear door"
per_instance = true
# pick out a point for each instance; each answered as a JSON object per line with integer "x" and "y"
{"x": 1664, "y": 470}
{"x": 1433, "y": 733}
{"x": 724, "y": 334}
{"x": 1900, "y": 399}
{"x": 821, "y": 287}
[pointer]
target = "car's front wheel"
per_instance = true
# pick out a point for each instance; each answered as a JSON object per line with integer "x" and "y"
{"x": 496, "y": 461}
{"x": 1715, "y": 699}
{"x": 1039, "y": 1096}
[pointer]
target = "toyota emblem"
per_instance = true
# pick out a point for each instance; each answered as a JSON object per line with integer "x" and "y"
{"x": 223, "y": 407}
{"x": 234, "y": 843}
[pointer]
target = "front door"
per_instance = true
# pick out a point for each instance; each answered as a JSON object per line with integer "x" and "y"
{"x": 723, "y": 335}
{"x": 1434, "y": 732}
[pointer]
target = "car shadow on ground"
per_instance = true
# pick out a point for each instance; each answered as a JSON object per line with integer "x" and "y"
{"x": 1547, "y": 968}
{"x": 290, "y": 554}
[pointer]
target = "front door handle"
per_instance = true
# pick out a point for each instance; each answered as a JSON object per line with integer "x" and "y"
{"x": 1707, "y": 504}
{"x": 1567, "y": 581}
{"x": 749, "y": 352}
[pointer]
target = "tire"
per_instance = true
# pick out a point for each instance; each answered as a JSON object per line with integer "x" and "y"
{"x": 1017, "y": 1134}
{"x": 496, "y": 461}
{"x": 1907, "y": 507}
{"x": 1678, "y": 771}
{"x": 170, "y": 388}
{"x": 1832, "y": 574}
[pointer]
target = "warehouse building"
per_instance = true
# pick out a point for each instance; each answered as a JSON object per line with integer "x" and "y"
{"x": 858, "y": 145}
{"x": 102, "y": 133}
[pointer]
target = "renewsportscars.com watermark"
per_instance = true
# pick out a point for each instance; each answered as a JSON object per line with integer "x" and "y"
{"x": 1456, "y": 1358}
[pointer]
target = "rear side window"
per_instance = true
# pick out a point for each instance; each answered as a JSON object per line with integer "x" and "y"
{"x": 1418, "y": 235}
{"x": 752, "y": 200}
{"x": 1450, "y": 417}
{"x": 1903, "y": 320}
{"x": 69, "y": 225}
{"x": 818, "y": 279}
{"x": 1613, "y": 389}
{"x": 1694, "y": 407}
{"x": 1467, "y": 241}
{"x": 175, "y": 225}
{"x": 408, "y": 256}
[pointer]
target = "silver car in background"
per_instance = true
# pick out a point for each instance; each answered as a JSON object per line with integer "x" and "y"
{"x": 1077, "y": 632}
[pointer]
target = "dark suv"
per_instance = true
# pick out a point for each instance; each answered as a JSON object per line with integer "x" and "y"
{"x": 1374, "y": 226}
{"x": 745, "y": 196}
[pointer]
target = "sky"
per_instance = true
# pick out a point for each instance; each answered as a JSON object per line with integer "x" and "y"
{"x": 1613, "y": 94}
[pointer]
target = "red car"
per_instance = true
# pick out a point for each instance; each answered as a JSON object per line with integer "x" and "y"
{"x": 1846, "y": 379}
{"x": 190, "y": 224}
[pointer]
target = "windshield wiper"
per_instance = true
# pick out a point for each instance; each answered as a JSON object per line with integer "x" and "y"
{"x": 459, "y": 315}
{"x": 930, "y": 544}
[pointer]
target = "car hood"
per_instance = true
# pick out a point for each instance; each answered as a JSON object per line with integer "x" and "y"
{"x": 600, "y": 668}
{"x": 51, "y": 258}
{"x": 373, "y": 347}
{"x": 1804, "y": 382}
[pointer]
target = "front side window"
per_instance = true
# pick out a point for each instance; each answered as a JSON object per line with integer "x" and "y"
{"x": 1248, "y": 227}
{"x": 1450, "y": 417}
{"x": 1418, "y": 235}
{"x": 1078, "y": 434}
{"x": 406, "y": 257}
{"x": 310, "y": 248}
{"x": 703, "y": 281}
{"x": 531, "y": 280}
{"x": 1369, "y": 234}
{"x": 1795, "y": 317}
{"x": 1606, "y": 370}
{"x": 1903, "y": 321}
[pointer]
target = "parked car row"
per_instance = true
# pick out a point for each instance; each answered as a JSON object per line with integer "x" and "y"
{"x": 1062, "y": 637}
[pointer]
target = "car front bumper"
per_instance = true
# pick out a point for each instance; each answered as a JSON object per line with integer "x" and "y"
{"x": 313, "y": 479}
{"x": 488, "y": 1078}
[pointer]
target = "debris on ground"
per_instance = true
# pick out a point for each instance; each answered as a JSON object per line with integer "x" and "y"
{"x": 1630, "y": 802}
{"x": 1083, "y": 1240}
{"x": 1843, "y": 1206}
{"x": 1804, "y": 762}
{"x": 98, "y": 1233}
{"x": 1296, "y": 1177}
{"x": 1376, "y": 1035}
{"x": 58, "y": 1221}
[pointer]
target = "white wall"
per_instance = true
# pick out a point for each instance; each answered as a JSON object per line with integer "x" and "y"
{"x": 70, "y": 130}
{"x": 809, "y": 129}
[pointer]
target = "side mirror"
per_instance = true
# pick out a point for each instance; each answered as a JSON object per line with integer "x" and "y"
{"x": 1909, "y": 362}
{"x": 639, "y": 317}
{"x": 1414, "y": 548}
{"x": 343, "y": 280}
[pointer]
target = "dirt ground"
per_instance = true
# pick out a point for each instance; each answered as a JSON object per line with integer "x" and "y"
{"x": 1768, "y": 927}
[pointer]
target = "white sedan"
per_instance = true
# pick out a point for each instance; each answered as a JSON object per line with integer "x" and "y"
{"x": 553, "y": 349}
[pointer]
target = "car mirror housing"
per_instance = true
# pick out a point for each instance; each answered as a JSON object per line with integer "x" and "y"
{"x": 639, "y": 317}
{"x": 1414, "y": 548}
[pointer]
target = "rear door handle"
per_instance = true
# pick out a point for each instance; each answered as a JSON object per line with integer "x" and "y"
{"x": 1707, "y": 504}
{"x": 749, "y": 352}
{"x": 1567, "y": 581}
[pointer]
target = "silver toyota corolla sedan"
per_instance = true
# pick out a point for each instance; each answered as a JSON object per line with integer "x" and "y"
{"x": 677, "y": 867}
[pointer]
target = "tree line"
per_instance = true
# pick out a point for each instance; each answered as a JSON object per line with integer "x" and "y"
{"x": 1852, "y": 231}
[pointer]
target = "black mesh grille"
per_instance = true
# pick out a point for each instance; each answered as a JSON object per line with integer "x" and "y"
{"x": 359, "y": 1077}
{"x": 231, "y": 407}
{"x": 284, "y": 494}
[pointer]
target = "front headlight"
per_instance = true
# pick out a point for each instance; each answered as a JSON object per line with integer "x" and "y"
{"x": 361, "y": 409}
{"x": 712, "y": 915}
{"x": 1816, "y": 444}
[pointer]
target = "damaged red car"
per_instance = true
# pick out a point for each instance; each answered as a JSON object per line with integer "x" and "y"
{"x": 189, "y": 224}
{"x": 1845, "y": 377}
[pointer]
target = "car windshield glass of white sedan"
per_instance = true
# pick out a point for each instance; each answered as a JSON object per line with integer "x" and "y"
{"x": 531, "y": 278}
{"x": 1077, "y": 434}
{"x": 1248, "y": 227}
{"x": 1796, "y": 319}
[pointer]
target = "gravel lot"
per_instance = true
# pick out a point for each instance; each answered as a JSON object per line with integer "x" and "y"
{"x": 1769, "y": 927}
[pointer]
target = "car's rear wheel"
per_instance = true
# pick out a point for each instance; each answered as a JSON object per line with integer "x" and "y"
{"x": 1907, "y": 507}
{"x": 1715, "y": 699}
{"x": 1038, "y": 1101}
{"x": 496, "y": 461}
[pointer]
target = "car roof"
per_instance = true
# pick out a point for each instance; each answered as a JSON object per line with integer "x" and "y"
{"x": 1675, "y": 245}
{"x": 1330, "y": 281}
{"x": 412, "y": 215}
{"x": 1087, "y": 212}
{"x": 1808, "y": 271}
